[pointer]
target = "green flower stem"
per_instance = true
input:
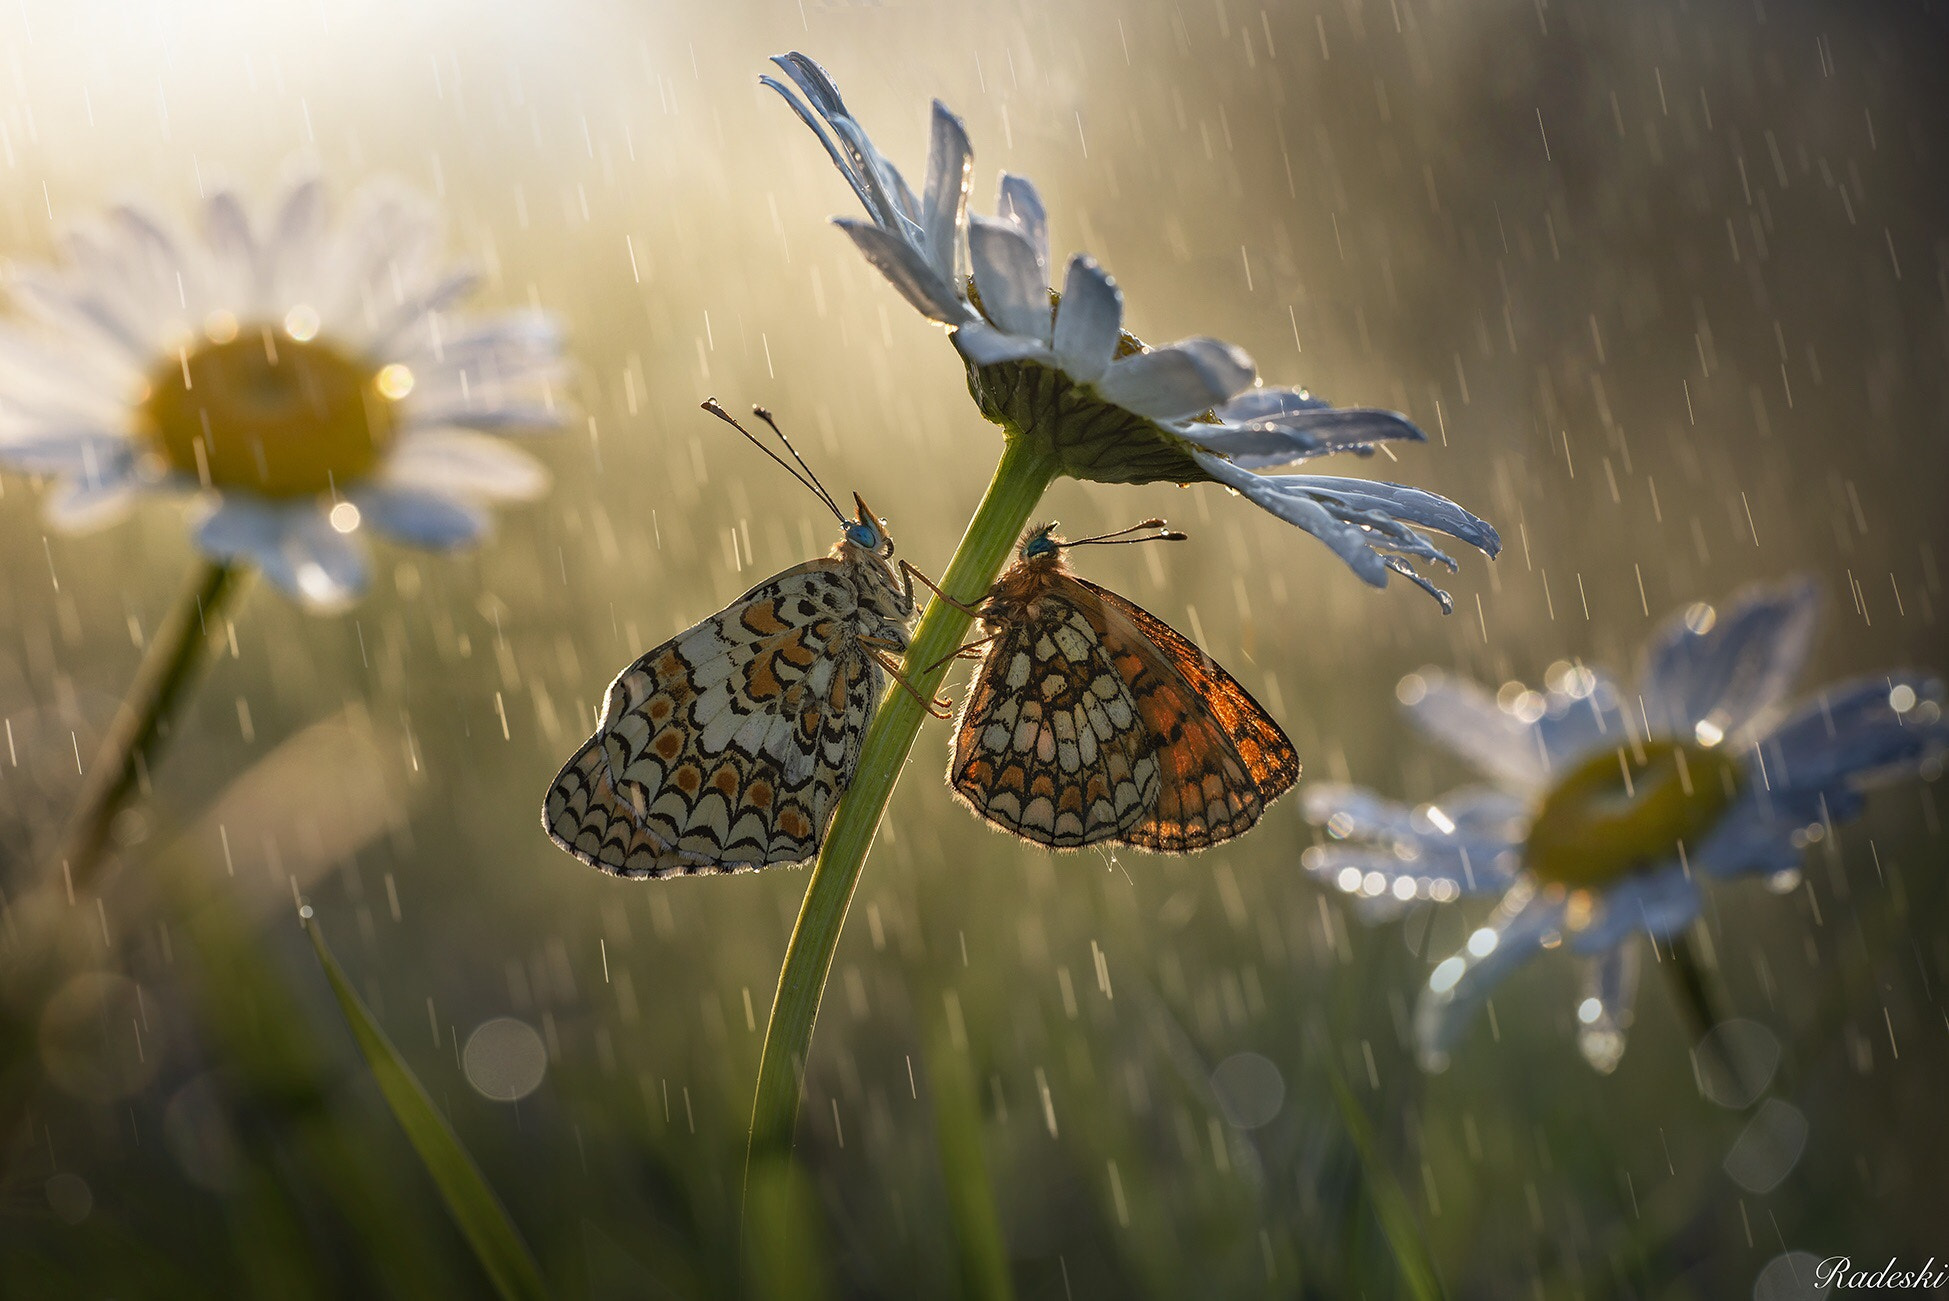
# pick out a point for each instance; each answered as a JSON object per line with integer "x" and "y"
{"x": 1701, "y": 999}
{"x": 1026, "y": 469}
{"x": 142, "y": 720}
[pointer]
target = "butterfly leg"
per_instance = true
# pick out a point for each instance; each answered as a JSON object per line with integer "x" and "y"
{"x": 908, "y": 574}
{"x": 936, "y": 707}
{"x": 971, "y": 651}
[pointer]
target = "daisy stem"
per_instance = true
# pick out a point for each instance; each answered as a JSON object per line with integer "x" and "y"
{"x": 1026, "y": 469}
{"x": 142, "y": 720}
{"x": 1698, "y": 995}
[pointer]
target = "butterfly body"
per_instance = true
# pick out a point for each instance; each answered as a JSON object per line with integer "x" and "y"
{"x": 726, "y": 748}
{"x": 1091, "y": 721}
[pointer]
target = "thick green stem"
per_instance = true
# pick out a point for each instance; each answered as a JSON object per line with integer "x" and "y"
{"x": 142, "y": 720}
{"x": 1025, "y": 471}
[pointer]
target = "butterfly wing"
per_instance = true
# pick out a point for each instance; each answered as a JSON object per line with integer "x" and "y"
{"x": 725, "y": 748}
{"x": 1050, "y": 745}
{"x": 1221, "y": 757}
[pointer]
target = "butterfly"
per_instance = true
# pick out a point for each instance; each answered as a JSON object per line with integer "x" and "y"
{"x": 726, "y": 748}
{"x": 1091, "y": 721}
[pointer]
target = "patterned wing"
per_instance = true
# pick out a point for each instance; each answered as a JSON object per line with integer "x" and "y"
{"x": 1221, "y": 757}
{"x": 1050, "y": 744}
{"x": 725, "y": 748}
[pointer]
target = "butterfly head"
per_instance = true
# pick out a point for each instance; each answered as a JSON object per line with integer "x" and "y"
{"x": 868, "y": 531}
{"x": 1042, "y": 545}
{"x": 1042, "y": 542}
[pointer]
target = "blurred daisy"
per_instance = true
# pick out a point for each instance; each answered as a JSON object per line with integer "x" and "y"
{"x": 1060, "y": 366}
{"x": 303, "y": 379}
{"x": 1609, "y": 811}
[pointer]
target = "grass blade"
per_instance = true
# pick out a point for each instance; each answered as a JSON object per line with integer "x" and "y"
{"x": 478, "y": 1212}
{"x": 1390, "y": 1204}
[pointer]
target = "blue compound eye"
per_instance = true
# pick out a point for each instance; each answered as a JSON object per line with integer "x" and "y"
{"x": 1042, "y": 544}
{"x": 863, "y": 534}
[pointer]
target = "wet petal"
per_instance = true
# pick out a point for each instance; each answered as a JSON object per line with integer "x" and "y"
{"x": 421, "y": 517}
{"x": 406, "y": 324}
{"x": 96, "y": 498}
{"x": 1411, "y": 505}
{"x": 1179, "y": 379}
{"x": 1089, "y": 320}
{"x": 294, "y": 545}
{"x": 881, "y": 190}
{"x": 1658, "y": 902}
{"x": 236, "y": 264}
{"x": 1604, "y": 1008}
{"x": 984, "y": 345}
{"x": 1267, "y": 441}
{"x": 900, "y": 262}
{"x": 1019, "y": 204}
{"x": 1013, "y": 293}
{"x": 295, "y": 244}
{"x": 1461, "y": 984}
{"x": 1708, "y": 675}
{"x": 1467, "y": 719}
{"x": 462, "y": 462}
{"x": 950, "y": 172}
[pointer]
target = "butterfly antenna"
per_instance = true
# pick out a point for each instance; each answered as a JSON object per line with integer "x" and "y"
{"x": 811, "y": 485}
{"x": 766, "y": 416}
{"x": 1120, "y": 537}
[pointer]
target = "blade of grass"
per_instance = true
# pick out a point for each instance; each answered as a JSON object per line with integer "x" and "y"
{"x": 970, "y": 1198}
{"x": 478, "y": 1212}
{"x": 1390, "y": 1204}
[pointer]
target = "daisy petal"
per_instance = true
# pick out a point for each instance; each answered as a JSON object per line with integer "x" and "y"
{"x": 981, "y": 344}
{"x": 462, "y": 462}
{"x": 236, "y": 262}
{"x": 1013, "y": 293}
{"x": 292, "y": 542}
{"x": 927, "y": 292}
{"x": 1857, "y": 732}
{"x": 1179, "y": 379}
{"x": 873, "y": 179}
{"x": 944, "y": 208}
{"x": 1264, "y": 442}
{"x": 1659, "y": 903}
{"x": 1460, "y": 985}
{"x": 1411, "y": 505}
{"x": 1713, "y": 682}
{"x": 1466, "y": 719}
{"x": 76, "y": 452}
{"x": 296, "y": 239}
{"x": 1347, "y": 541}
{"x": 421, "y": 517}
{"x": 83, "y": 504}
{"x": 1089, "y": 320}
{"x": 398, "y": 326}
{"x": 1019, "y": 204}
{"x": 1610, "y": 988}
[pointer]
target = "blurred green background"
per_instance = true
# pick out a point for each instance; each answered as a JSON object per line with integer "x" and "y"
{"x": 1667, "y": 284}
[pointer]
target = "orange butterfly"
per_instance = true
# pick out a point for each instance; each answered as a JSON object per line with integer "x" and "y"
{"x": 1091, "y": 721}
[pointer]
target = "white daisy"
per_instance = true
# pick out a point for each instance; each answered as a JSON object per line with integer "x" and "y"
{"x": 1060, "y": 366}
{"x": 1608, "y": 811}
{"x": 303, "y": 380}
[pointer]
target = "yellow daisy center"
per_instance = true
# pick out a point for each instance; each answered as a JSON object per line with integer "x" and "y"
{"x": 272, "y": 411}
{"x": 1619, "y": 812}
